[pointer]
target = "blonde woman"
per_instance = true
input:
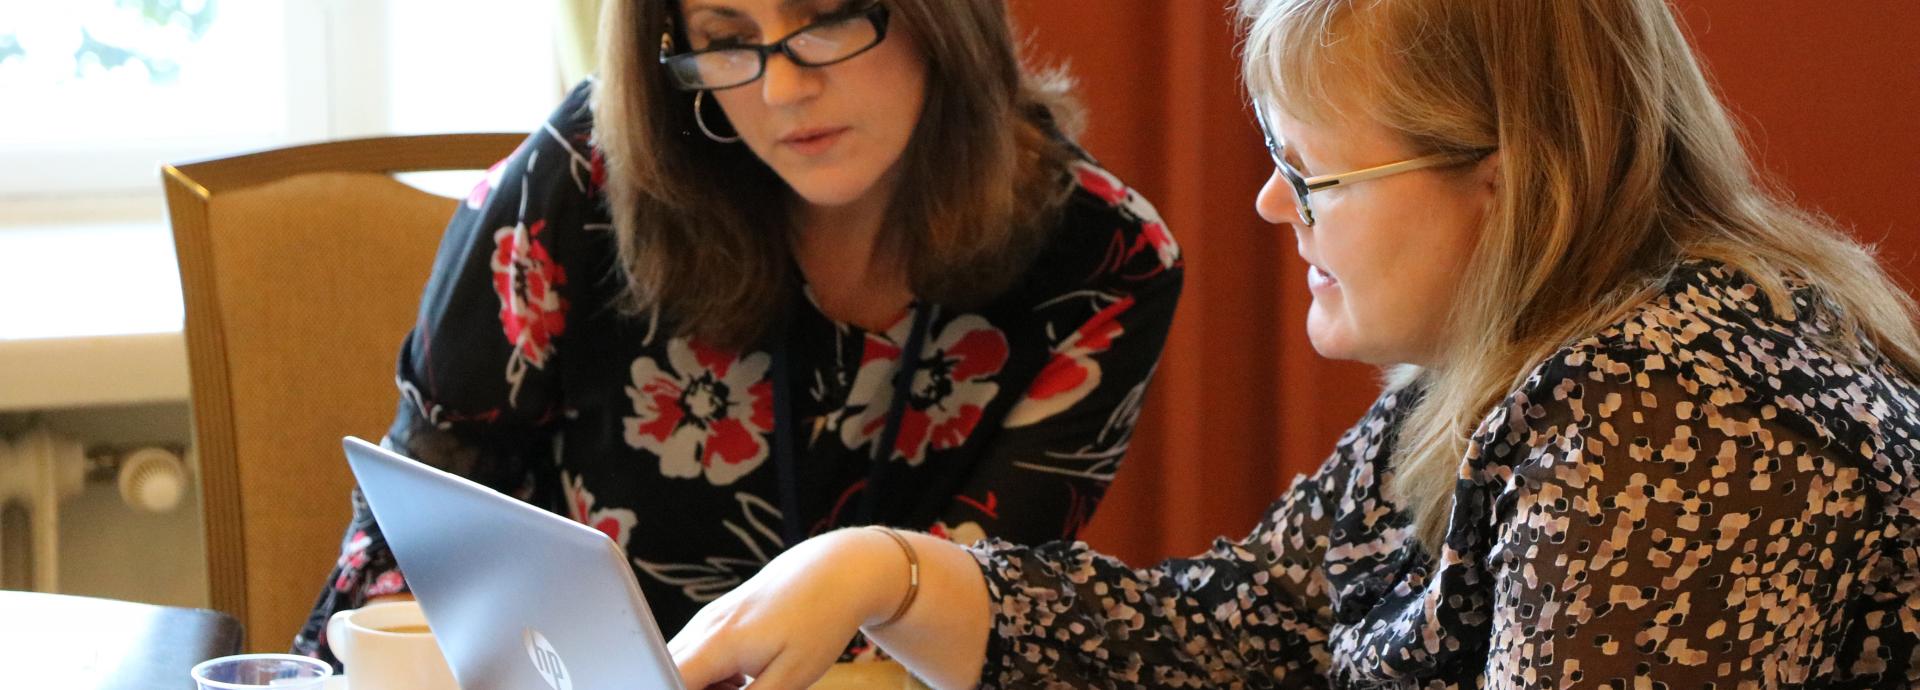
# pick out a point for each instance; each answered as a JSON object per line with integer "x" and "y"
{"x": 785, "y": 266}
{"x": 1647, "y": 425}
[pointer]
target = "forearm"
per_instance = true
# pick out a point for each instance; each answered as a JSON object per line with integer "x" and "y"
{"x": 942, "y": 637}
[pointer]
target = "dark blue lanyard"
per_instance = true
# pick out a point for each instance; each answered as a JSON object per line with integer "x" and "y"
{"x": 793, "y": 525}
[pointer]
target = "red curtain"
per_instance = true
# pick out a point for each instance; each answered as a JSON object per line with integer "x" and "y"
{"x": 1829, "y": 93}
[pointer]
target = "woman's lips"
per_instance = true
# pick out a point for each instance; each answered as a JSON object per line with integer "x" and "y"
{"x": 813, "y": 142}
{"x": 1318, "y": 280}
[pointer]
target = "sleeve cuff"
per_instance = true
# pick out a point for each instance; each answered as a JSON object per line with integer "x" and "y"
{"x": 995, "y": 569}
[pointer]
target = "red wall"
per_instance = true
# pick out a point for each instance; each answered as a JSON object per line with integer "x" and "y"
{"x": 1829, "y": 93}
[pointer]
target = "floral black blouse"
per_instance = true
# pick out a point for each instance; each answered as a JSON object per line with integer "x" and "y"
{"x": 1703, "y": 495}
{"x": 521, "y": 374}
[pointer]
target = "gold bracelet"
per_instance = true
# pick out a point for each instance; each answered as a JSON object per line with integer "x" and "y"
{"x": 913, "y": 575}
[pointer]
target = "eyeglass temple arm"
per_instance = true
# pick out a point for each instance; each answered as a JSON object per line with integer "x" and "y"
{"x": 1325, "y": 181}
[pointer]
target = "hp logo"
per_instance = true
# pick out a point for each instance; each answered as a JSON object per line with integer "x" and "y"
{"x": 546, "y": 661}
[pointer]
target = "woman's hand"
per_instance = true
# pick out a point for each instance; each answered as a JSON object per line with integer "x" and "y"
{"x": 785, "y": 627}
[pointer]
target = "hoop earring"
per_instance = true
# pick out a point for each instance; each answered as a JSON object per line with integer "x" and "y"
{"x": 699, "y": 100}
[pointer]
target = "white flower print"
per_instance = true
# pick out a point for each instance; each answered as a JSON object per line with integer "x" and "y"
{"x": 707, "y": 414}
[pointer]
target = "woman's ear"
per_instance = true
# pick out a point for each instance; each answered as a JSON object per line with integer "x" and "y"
{"x": 1486, "y": 173}
{"x": 1483, "y": 181}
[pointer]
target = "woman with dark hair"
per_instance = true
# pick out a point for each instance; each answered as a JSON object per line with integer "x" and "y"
{"x": 1647, "y": 424}
{"x": 785, "y": 267}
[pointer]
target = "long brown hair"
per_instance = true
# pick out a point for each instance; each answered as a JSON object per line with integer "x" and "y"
{"x": 702, "y": 227}
{"x": 1617, "y": 161}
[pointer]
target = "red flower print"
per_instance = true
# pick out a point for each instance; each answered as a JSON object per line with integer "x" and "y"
{"x": 352, "y": 560}
{"x": 478, "y": 197}
{"x": 1101, "y": 183}
{"x": 708, "y": 413}
{"x": 616, "y": 523}
{"x": 1153, "y": 230}
{"x": 355, "y": 557}
{"x": 598, "y": 176}
{"x": 949, "y": 393}
{"x": 532, "y": 312}
{"x": 390, "y": 582}
{"x": 1156, "y": 236}
{"x": 1072, "y": 372}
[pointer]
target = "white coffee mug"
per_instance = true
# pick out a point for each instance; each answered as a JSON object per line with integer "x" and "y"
{"x": 388, "y": 647}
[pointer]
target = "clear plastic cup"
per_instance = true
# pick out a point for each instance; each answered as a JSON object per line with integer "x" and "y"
{"x": 247, "y": 671}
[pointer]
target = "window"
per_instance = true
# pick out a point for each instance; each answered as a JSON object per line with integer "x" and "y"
{"x": 101, "y": 92}
{"x": 100, "y": 89}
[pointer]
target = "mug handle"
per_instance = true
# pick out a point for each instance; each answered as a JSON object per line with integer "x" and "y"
{"x": 338, "y": 639}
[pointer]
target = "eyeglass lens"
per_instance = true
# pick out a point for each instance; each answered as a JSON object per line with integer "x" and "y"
{"x": 817, "y": 45}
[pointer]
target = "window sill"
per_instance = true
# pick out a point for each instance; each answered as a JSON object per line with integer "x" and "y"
{"x": 91, "y": 315}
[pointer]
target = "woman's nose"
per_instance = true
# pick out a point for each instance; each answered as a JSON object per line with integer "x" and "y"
{"x": 787, "y": 83}
{"x": 1275, "y": 202}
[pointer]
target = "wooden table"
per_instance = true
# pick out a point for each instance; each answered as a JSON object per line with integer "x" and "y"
{"x": 83, "y": 643}
{"x": 880, "y": 675}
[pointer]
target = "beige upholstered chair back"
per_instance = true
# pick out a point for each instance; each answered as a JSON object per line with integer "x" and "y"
{"x": 302, "y": 269}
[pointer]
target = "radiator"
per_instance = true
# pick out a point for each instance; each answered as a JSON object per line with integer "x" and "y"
{"x": 41, "y": 469}
{"x": 38, "y": 470}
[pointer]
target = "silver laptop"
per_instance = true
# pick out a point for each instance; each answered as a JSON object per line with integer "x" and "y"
{"x": 518, "y": 597}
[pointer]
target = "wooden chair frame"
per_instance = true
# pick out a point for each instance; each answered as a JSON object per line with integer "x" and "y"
{"x": 190, "y": 190}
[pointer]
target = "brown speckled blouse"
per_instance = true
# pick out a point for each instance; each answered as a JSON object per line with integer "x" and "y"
{"x": 1703, "y": 495}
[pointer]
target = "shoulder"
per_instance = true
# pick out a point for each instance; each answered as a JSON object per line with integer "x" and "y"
{"x": 571, "y": 123}
{"x": 1684, "y": 346}
{"x": 1707, "y": 358}
{"x": 564, "y": 147}
{"x": 538, "y": 205}
{"x": 1103, "y": 208}
{"x": 556, "y": 171}
{"x": 557, "y": 160}
{"x": 1109, "y": 237}
{"x": 1700, "y": 413}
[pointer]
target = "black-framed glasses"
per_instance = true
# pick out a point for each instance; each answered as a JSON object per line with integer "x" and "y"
{"x": 831, "y": 39}
{"x": 1303, "y": 186}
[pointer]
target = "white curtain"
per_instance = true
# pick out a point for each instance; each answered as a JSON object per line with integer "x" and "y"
{"x": 576, "y": 25}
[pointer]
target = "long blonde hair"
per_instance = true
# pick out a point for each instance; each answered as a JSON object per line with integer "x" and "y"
{"x": 702, "y": 226}
{"x": 1617, "y": 161}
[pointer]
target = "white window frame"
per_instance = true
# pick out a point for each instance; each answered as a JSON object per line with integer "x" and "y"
{"x": 120, "y": 182}
{"x": 340, "y": 64}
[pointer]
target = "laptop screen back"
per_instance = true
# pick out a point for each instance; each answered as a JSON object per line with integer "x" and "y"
{"x": 517, "y": 597}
